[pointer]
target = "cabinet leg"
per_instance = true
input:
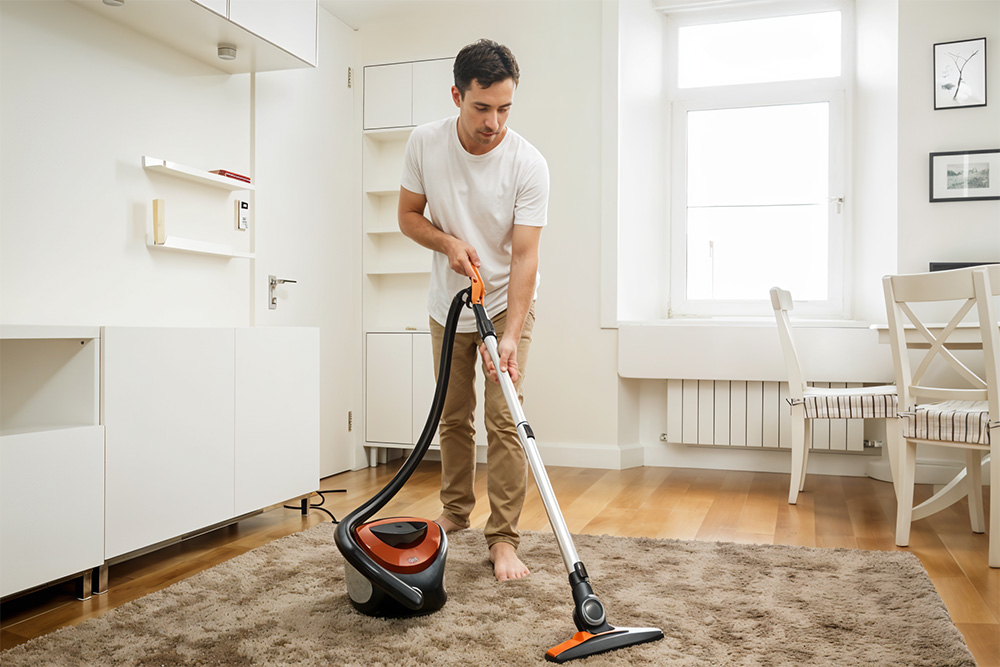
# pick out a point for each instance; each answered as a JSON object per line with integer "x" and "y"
{"x": 83, "y": 586}
{"x": 305, "y": 506}
{"x": 372, "y": 457}
{"x": 99, "y": 578}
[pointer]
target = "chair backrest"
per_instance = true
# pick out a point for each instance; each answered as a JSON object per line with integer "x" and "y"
{"x": 973, "y": 287}
{"x": 781, "y": 302}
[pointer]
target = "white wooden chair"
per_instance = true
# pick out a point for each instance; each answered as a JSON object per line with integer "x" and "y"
{"x": 930, "y": 412}
{"x": 808, "y": 403}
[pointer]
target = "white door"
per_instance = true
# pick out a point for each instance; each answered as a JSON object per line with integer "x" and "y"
{"x": 307, "y": 223}
{"x": 277, "y": 415}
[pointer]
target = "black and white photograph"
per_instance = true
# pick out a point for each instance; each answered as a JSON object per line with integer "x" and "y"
{"x": 960, "y": 74}
{"x": 965, "y": 175}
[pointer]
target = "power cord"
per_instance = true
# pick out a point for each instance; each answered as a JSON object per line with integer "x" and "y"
{"x": 304, "y": 508}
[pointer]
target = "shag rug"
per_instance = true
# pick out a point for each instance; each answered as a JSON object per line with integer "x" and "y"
{"x": 718, "y": 604}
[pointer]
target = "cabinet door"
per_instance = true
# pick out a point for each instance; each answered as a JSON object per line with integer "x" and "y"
{"x": 289, "y": 24}
{"x": 432, "y": 82}
{"x": 168, "y": 416}
{"x": 277, "y": 415}
{"x": 388, "y": 96}
{"x": 220, "y": 7}
{"x": 389, "y": 388}
{"x": 423, "y": 384}
{"x": 54, "y": 474}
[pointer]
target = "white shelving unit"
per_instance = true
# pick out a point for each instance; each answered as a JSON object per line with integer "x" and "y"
{"x": 51, "y": 449}
{"x": 194, "y": 175}
{"x": 399, "y": 371}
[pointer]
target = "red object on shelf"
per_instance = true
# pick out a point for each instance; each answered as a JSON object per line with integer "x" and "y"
{"x": 231, "y": 174}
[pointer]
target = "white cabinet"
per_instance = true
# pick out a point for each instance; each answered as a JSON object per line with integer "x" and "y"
{"x": 408, "y": 94}
{"x": 267, "y": 34}
{"x": 51, "y": 450}
{"x": 277, "y": 415}
{"x": 205, "y": 425}
{"x": 289, "y": 24}
{"x": 169, "y": 410}
{"x": 399, "y": 387}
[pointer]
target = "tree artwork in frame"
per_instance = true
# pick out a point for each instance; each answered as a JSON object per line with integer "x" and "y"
{"x": 960, "y": 74}
{"x": 965, "y": 175}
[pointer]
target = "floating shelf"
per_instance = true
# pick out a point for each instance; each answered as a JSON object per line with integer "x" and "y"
{"x": 384, "y": 231}
{"x": 390, "y": 134}
{"x": 384, "y": 192}
{"x": 198, "y": 247}
{"x": 192, "y": 174}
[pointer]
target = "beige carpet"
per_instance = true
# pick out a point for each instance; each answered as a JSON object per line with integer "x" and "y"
{"x": 717, "y": 603}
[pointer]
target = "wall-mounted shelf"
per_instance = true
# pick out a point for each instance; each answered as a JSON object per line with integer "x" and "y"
{"x": 198, "y": 247}
{"x": 192, "y": 174}
{"x": 390, "y": 134}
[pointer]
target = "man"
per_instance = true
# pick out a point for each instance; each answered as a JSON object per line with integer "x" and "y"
{"x": 486, "y": 190}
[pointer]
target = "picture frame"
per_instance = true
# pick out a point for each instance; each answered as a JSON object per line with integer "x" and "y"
{"x": 960, "y": 74}
{"x": 965, "y": 175}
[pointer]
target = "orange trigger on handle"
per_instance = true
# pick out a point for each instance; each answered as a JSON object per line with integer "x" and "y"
{"x": 478, "y": 290}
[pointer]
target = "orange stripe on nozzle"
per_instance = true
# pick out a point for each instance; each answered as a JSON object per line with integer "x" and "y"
{"x": 478, "y": 290}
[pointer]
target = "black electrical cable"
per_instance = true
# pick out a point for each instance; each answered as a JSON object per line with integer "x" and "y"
{"x": 319, "y": 505}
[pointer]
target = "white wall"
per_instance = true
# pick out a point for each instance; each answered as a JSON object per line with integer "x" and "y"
{"x": 643, "y": 178}
{"x": 943, "y": 231}
{"x": 82, "y": 101}
{"x": 571, "y": 381}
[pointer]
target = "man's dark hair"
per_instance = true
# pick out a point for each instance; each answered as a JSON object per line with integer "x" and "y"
{"x": 485, "y": 61}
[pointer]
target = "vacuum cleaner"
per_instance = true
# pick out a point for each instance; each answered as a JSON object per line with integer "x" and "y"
{"x": 376, "y": 580}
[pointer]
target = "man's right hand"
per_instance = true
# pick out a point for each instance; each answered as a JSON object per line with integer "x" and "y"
{"x": 462, "y": 257}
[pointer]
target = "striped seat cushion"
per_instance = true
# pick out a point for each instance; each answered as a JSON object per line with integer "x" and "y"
{"x": 850, "y": 403}
{"x": 949, "y": 421}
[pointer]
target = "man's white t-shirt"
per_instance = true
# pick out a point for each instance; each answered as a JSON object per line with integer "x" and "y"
{"x": 479, "y": 199}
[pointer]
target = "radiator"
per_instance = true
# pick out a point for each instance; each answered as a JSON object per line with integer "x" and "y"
{"x": 740, "y": 413}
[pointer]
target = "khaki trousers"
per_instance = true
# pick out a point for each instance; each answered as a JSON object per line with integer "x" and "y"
{"x": 507, "y": 474}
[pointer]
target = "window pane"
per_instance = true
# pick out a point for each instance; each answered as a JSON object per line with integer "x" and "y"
{"x": 740, "y": 253}
{"x": 788, "y": 48}
{"x": 759, "y": 155}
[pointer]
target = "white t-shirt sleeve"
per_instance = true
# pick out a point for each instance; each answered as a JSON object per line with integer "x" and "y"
{"x": 412, "y": 177}
{"x": 532, "y": 203}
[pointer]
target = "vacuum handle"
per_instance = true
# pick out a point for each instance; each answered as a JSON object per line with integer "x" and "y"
{"x": 556, "y": 520}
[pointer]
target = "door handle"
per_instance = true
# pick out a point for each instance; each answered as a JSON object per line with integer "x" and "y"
{"x": 272, "y": 282}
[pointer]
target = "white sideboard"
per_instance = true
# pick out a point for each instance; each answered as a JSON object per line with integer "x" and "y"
{"x": 135, "y": 437}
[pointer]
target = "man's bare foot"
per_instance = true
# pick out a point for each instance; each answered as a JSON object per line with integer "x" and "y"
{"x": 506, "y": 564}
{"x": 447, "y": 525}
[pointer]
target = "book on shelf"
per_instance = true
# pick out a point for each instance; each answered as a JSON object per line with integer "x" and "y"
{"x": 231, "y": 174}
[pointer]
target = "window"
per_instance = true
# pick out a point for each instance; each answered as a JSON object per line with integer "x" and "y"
{"x": 758, "y": 171}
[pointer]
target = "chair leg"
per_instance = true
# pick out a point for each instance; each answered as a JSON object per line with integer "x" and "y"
{"x": 798, "y": 454}
{"x": 995, "y": 501}
{"x": 807, "y": 443}
{"x": 974, "y": 466}
{"x": 904, "y": 497}
{"x": 893, "y": 438}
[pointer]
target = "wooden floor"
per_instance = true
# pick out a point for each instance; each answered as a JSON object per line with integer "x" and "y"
{"x": 655, "y": 502}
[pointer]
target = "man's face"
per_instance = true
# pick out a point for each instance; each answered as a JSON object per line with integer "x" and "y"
{"x": 482, "y": 115}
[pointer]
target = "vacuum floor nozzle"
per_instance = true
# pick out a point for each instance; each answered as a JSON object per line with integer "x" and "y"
{"x": 584, "y": 644}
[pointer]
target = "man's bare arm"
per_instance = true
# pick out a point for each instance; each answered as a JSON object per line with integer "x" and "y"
{"x": 461, "y": 255}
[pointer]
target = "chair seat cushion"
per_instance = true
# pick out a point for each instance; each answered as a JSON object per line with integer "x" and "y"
{"x": 949, "y": 421}
{"x": 849, "y": 403}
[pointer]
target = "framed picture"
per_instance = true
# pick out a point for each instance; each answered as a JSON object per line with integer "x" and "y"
{"x": 960, "y": 74}
{"x": 965, "y": 175}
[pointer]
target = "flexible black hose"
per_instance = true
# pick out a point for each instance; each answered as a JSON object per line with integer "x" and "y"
{"x": 405, "y": 594}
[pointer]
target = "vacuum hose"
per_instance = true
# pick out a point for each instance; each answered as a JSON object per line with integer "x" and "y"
{"x": 391, "y": 585}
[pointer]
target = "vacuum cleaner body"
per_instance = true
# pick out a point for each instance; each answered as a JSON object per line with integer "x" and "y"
{"x": 414, "y": 550}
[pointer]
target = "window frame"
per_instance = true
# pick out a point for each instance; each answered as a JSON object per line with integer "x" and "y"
{"x": 835, "y": 91}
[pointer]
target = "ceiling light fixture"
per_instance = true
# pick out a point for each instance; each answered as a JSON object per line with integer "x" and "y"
{"x": 227, "y": 52}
